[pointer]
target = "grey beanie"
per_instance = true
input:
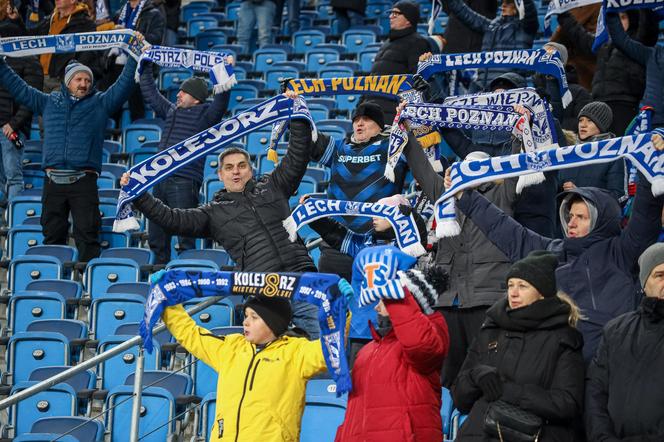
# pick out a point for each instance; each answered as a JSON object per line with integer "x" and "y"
{"x": 196, "y": 87}
{"x": 562, "y": 50}
{"x": 649, "y": 259}
{"x": 565, "y": 206}
{"x": 600, "y": 113}
{"x": 73, "y": 68}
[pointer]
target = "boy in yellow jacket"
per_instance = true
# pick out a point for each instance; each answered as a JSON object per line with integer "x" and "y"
{"x": 262, "y": 373}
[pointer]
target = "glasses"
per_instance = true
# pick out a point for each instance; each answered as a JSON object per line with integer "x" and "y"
{"x": 395, "y": 13}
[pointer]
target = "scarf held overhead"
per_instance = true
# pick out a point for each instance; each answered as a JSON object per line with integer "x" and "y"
{"x": 601, "y": 33}
{"x": 405, "y": 228}
{"x": 557, "y": 7}
{"x": 161, "y": 165}
{"x": 321, "y": 289}
{"x": 376, "y": 274}
{"x": 539, "y": 60}
{"x": 467, "y": 174}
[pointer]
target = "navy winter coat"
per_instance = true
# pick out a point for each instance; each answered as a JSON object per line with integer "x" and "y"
{"x": 73, "y": 129}
{"x": 599, "y": 270}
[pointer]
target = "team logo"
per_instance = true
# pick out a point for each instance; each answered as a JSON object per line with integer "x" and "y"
{"x": 352, "y": 208}
{"x": 64, "y": 43}
{"x": 537, "y": 160}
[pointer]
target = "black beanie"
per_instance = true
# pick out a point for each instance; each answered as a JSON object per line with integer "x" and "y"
{"x": 276, "y": 312}
{"x": 370, "y": 110}
{"x": 539, "y": 269}
{"x": 508, "y": 80}
{"x": 410, "y": 10}
{"x": 196, "y": 87}
{"x": 600, "y": 113}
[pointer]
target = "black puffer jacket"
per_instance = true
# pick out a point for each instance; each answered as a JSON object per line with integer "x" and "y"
{"x": 28, "y": 68}
{"x": 624, "y": 401}
{"x": 248, "y": 224}
{"x": 152, "y": 23}
{"x": 538, "y": 358}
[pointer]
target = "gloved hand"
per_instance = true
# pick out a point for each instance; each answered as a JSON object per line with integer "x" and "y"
{"x": 420, "y": 84}
{"x": 375, "y": 273}
{"x": 487, "y": 379}
{"x": 346, "y": 290}
{"x": 284, "y": 83}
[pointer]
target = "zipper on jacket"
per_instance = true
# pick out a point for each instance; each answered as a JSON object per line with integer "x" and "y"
{"x": 592, "y": 293}
{"x": 244, "y": 392}
{"x": 267, "y": 232}
{"x": 253, "y": 375}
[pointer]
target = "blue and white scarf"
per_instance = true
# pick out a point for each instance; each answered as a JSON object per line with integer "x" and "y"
{"x": 161, "y": 165}
{"x": 221, "y": 72}
{"x": 436, "y": 9}
{"x": 406, "y": 233}
{"x": 174, "y": 287}
{"x": 468, "y": 174}
{"x": 128, "y": 20}
{"x": 602, "y": 33}
{"x": 557, "y": 7}
{"x": 539, "y": 60}
{"x": 376, "y": 274}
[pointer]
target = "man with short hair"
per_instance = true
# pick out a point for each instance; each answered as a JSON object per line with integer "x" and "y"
{"x": 246, "y": 217}
{"x": 188, "y": 116}
{"x": 75, "y": 119}
{"x": 597, "y": 260}
{"x": 624, "y": 400}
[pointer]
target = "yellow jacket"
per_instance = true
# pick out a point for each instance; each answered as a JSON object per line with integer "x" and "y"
{"x": 260, "y": 396}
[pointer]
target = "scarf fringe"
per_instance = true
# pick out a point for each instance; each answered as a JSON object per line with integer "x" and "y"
{"x": 529, "y": 180}
{"x": 291, "y": 227}
{"x": 126, "y": 224}
{"x": 415, "y": 250}
{"x": 657, "y": 186}
{"x": 447, "y": 228}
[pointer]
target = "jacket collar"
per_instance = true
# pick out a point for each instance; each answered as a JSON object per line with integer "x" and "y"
{"x": 394, "y": 35}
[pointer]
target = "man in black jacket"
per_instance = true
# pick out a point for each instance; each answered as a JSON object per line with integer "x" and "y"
{"x": 401, "y": 52}
{"x": 624, "y": 400}
{"x": 15, "y": 119}
{"x": 246, "y": 217}
{"x": 190, "y": 115}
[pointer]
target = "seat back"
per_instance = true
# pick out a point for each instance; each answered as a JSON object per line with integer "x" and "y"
{"x": 21, "y": 238}
{"x": 321, "y": 418}
{"x": 178, "y": 384}
{"x": 67, "y": 289}
{"x": 138, "y": 255}
{"x": 21, "y": 207}
{"x": 115, "y": 370}
{"x": 193, "y": 264}
{"x": 69, "y": 328}
{"x": 135, "y": 288}
{"x": 157, "y": 409}
{"x": 134, "y": 135}
{"x": 102, "y": 272}
{"x": 81, "y": 428}
{"x": 29, "y": 350}
{"x": 25, "y": 307}
{"x": 25, "y": 269}
{"x": 110, "y": 311}
{"x": 58, "y": 400}
{"x": 62, "y": 253}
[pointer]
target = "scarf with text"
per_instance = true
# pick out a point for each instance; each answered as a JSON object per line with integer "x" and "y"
{"x": 376, "y": 274}
{"x": 129, "y": 16}
{"x": 394, "y": 86}
{"x": 174, "y": 287}
{"x": 440, "y": 116}
{"x": 406, "y": 233}
{"x": 557, "y": 7}
{"x": 149, "y": 172}
{"x": 467, "y": 174}
{"x": 539, "y": 60}
{"x": 602, "y": 33}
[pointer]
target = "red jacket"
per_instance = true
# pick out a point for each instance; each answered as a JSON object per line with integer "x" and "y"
{"x": 396, "y": 380}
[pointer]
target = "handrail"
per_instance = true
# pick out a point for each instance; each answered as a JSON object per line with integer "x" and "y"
{"x": 82, "y": 366}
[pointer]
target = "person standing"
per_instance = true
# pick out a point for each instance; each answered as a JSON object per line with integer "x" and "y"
{"x": 254, "y": 13}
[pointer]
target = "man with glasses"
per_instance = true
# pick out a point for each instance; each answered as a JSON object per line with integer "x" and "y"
{"x": 400, "y": 53}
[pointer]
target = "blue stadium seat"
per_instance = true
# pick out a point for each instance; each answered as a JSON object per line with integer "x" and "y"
{"x": 100, "y": 273}
{"x": 58, "y": 400}
{"x": 220, "y": 257}
{"x": 65, "y": 254}
{"x": 307, "y": 185}
{"x": 109, "y": 193}
{"x": 21, "y": 207}
{"x": 141, "y": 154}
{"x": 106, "y": 180}
{"x": 317, "y": 59}
{"x": 240, "y": 93}
{"x": 333, "y": 131}
{"x": 335, "y": 72}
{"x": 203, "y": 265}
{"x": 206, "y": 417}
{"x": 340, "y": 49}
{"x": 330, "y": 103}
{"x": 45, "y": 437}
{"x": 211, "y": 185}
{"x": 20, "y": 238}
{"x": 446, "y": 410}
{"x": 265, "y": 58}
{"x": 135, "y": 288}
{"x": 116, "y": 169}
{"x": 33, "y": 179}
{"x": 83, "y": 429}
{"x": 190, "y": 10}
{"x": 134, "y": 136}
{"x": 275, "y": 75}
{"x": 209, "y": 38}
{"x": 299, "y": 65}
{"x": 27, "y": 306}
{"x": 219, "y": 314}
{"x": 69, "y": 290}
{"x": 108, "y": 238}
{"x": 346, "y": 125}
{"x": 354, "y": 66}
{"x": 211, "y": 165}
{"x": 325, "y": 12}
{"x": 115, "y": 370}
{"x": 356, "y": 40}
{"x": 367, "y": 58}
{"x": 173, "y": 76}
{"x": 29, "y": 350}
{"x": 198, "y": 24}
{"x": 205, "y": 378}
{"x": 108, "y": 207}
{"x": 25, "y": 268}
{"x": 232, "y": 10}
{"x": 109, "y": 311}
{"x": 304, "y": 41}
{"x": 142, "y": 257}
{"x": 258, "y": 141}
{"x": 318, "y": 111}
{"x": 376, "y": 9}
{"x": 323, "y": 411}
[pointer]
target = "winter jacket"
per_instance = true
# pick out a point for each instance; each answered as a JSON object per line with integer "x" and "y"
{"x": 597, "y": 271}
{"x": 617, "y": 77}
{"x": 28, "y": 68}
{"x": 460, "y": 38}
{"x": 608, "y": 176}
{"x": 152, "y": 23}
{"x": 624, "y": 400}
{"x": 396, "y": 379}
{"x": 501, "y": 33}
{"x": 79, "y": 21}
{"x": 476, "y": 267}
{"x": 547, "y": 87}
{"x": 73, "y": 129}
{"x": 537, "y": 355}
{"x": 263, "y": 391}
{"x": 180, "y": 124}
{"x": 248, "y": 224}
{"x": 651, "y": 58}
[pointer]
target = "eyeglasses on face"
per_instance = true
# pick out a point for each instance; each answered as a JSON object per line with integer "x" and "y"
{"x": 395, "y": 13}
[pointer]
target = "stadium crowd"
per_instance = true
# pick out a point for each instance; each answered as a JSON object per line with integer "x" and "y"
{"x": 543, "y": 315}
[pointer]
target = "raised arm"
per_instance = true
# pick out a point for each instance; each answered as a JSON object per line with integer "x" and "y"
{"x": 32, "y": 75}
{"x": 530, "y": 21}
{"x": 119, "y": 92}
{"x": 194, "y": 223}
{"x": 288, "y": 174}
{"x": 635, "y": 50}
{"x": 511, "y": 238}
{"x": 20, "y": 90}
{"x": 583, "y": 40}
{"x": 431, "y": 183}
{"x": 322, "y": 149}
{"x": 460, "y": 144}
{"x": 215, "y": 112}
{"x": 157, "y": 102}
{"x": 473, "y": 20}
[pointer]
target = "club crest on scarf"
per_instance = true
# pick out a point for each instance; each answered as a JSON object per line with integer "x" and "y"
{"x": 375, "y": 273}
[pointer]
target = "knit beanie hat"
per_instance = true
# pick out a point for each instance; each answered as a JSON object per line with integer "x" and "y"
{"x": 73, "y": 68}
{"x": 508, "y": 80}
{"x": 410, "y": 10}
{"x": 275, "y": 311}
{"x": 600, "y": 113}
{"x": 649, "y": 259}
{"x": 370, "y": 110}
{"x": 477, "y": 155}
{"x": 562, "y": 50}
{"x": 196, "y": 87}
{"x": 539, "y": 269}
{"x": 424, "y": 285}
